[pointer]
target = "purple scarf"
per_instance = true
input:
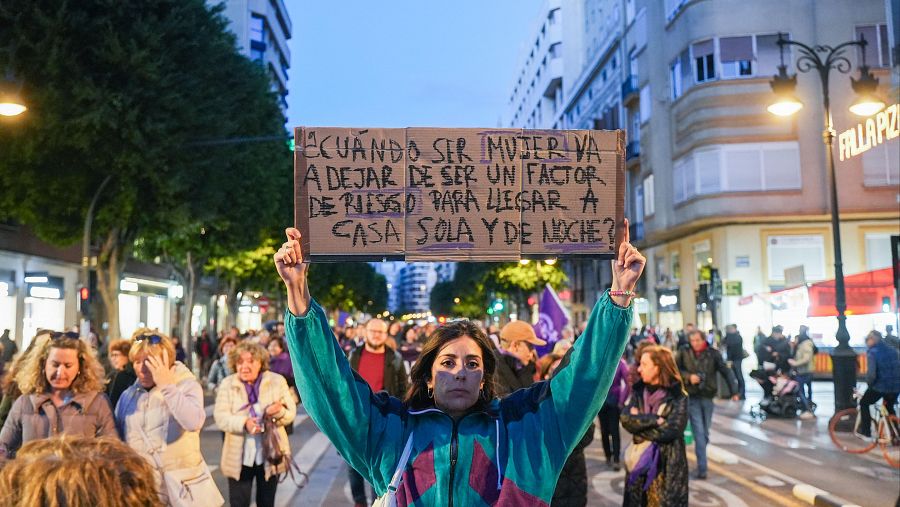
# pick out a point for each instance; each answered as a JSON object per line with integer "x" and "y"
{"x": 252, "y": 394}
{"x": 649, "y": 464}
{"x": 652, "y": 401}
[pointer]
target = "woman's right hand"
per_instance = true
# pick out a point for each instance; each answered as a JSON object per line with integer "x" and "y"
{"x": 292, "y": 270}
{"x": 252, "y": 426}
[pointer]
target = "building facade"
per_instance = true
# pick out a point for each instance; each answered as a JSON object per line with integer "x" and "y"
{"x": 262, "y": 29}
{"x": 714, "y": 182}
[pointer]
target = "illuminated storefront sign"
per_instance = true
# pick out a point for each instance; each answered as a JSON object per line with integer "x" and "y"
{"x": 875, "y": 130}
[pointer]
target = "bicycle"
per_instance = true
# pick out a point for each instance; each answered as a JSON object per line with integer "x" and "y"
{"x": 844, "y": 429}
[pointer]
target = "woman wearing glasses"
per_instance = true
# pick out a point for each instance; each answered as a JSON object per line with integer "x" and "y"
{"x": 161, "y": 414}
{"x": 62, "y": 393}
{"x": 451, "y": 441}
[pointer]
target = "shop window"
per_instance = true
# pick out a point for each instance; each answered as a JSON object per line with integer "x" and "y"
{"x": 785, "y": 252}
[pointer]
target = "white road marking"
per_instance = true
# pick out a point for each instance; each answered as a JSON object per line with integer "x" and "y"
{"x": 768, "y": 481}
{"x": 881, "y": 473}
{"x": 306, "y": 458}
{"x": 804, "y": 458}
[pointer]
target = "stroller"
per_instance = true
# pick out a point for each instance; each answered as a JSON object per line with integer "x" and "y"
{"x": 781, "y": 395}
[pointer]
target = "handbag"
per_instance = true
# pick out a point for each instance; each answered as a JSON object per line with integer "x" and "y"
{"x": 275, "y": 455}
{"x": 389, "y": 499}
{"x": 186, "y": 487}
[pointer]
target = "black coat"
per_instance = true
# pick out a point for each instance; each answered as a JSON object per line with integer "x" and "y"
{"x": 775, "y": 350}
{"x": 395, "y": 380}
{"x": 572, "y": 486}
{"x": 706, "y": 365}
{"x": 508, "y": 379}
{"x": 119, "y": 382}
{"x": 734, "y": 346}
{"x": 670, "y": 488}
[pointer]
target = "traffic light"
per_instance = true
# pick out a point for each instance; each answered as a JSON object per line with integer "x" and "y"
{"x": 498, "y": 305}
{"x": 84, "y": 301}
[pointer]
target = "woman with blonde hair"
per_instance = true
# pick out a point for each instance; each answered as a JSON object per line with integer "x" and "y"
{"x": 8, "y": 387}
{"x": 62, "y": 393}
{"x": 161, "y": 415}
{"x": 244, "y": 400}
{"x": 656, "y": 414}
{"x": 78, "y": 472}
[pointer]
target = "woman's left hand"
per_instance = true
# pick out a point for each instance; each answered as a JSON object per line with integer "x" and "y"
{"x": 628, "y": 265}
{"x": 274, "y": 408}
{"x": 160, "y": 371}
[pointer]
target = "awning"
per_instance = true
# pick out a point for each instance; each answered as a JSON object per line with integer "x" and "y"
{"x": 865, "y": 294}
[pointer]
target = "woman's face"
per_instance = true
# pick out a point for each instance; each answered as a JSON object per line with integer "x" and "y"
{"x": 410, "y": 335}
{"x": 61, "y": 368}
{"x": 457, "y": 376}
{"x": 226, "y": 349}
{"x": 248, "y": 367}
{"x": 275, "y": 348}
{"x": 118, "y": 360}
{"x": 142, "y": 370}
{"x": 648, "y": 370}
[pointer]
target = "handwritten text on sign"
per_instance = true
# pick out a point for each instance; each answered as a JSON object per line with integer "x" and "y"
{"x": 458, "y": 194}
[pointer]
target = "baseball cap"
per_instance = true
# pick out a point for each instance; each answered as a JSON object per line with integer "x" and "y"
{"x": 519, "y": 330}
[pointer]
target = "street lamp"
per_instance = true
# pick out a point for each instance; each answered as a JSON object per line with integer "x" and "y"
{"x": 11, "y": 103}
{"x": 824, "y": 59}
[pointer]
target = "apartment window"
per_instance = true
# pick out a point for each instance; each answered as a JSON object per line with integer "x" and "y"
{"x": 646, "y": 104}
{"x": 877, "y": 47}
{"x": 881, "y": 167}
{"x": 672, "y": 8}
{"x": 257, "y": 55}
{"x": 878, "y": 250}
{"x": 680, "y": 74}
{"x": 768, "y": 55}
{"x": 736, "y": 55}
{"x": 704, "y": 61}
{"x": 555, "y": 50}
{"x": 257, "y": 28}
{"x": 785, "y": 252}
{"x": 552, "y": 17}
{"x": 649, "y": 196}
{"x": 639, "y": 211}
{"x": 745, "y": 167}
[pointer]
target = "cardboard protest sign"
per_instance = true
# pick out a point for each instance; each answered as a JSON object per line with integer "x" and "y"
{"x": 458, "y": 194}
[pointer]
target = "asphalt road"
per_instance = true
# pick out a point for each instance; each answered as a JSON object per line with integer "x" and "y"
{"x": 752, "y": 463}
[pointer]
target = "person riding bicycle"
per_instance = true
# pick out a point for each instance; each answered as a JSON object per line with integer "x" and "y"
{"x": 883, "y": 377}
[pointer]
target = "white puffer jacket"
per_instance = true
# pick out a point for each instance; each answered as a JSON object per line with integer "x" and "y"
{"x": 170, "y": 417}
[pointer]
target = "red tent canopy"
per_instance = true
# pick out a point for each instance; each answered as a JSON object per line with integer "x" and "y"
{"x": 865, "y": 294}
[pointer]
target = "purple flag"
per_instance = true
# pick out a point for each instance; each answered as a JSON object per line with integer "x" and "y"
{"x": 552, "y": 318}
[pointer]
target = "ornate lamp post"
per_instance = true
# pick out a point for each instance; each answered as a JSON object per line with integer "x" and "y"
{"x": 823, "y": 59}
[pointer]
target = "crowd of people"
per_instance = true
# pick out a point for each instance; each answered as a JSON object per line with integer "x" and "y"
{"x": 139, "y": 398}
{"x": 394, "y": 399}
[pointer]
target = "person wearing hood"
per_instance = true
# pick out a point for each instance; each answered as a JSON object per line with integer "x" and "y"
{"x": 698, "y": 365}
{"x": 161, "y": 415}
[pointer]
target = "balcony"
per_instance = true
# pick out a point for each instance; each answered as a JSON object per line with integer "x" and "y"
{"x": 632, "y": 150}
{"x": 630, "y": 90}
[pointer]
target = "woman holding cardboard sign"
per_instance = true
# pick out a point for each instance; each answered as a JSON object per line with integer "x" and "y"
{"x": 451, "y": 441}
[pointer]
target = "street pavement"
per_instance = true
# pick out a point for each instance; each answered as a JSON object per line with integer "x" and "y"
{"x": 752, "y": 463}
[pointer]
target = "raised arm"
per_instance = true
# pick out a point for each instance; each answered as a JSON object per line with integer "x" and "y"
{"x": 340, "y": 402}
{"x": 578, "y": 389}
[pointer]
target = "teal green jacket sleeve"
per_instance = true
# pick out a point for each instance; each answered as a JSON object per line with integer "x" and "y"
{"x": 579, "y": 389}
{"x": 343, "y": 406}
{"x": 554, "y": 416}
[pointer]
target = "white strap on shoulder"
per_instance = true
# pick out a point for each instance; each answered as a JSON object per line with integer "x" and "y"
{"x": 401, "y": 466}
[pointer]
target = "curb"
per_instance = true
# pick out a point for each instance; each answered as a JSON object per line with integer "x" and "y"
{"x": 818, "y": 497}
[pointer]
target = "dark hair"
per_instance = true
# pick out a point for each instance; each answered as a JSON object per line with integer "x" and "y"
{"x": 279, "y": 341}
{"x": 876, "y": 334}
{"x": 696, "y": 332}
{"x": 777, "y": 329}
{"x": 417, "y": 395}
